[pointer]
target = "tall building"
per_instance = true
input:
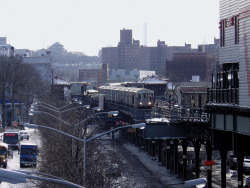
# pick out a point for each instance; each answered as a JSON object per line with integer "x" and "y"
{"x": 125, "y": 37}
{"x": 229, "y": 96}
{"x": 129, "y": 54}
{"x": 163, "y": 52}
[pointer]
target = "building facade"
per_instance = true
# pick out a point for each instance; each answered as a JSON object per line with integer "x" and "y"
{"x": 96, "y": 77}
{"x": 229, "y": 96}
{"x": 121, "y": 75}
{"x": 6, "y": 49}
{"x": 185, "y": 65}
{"x": 42, "y": 64}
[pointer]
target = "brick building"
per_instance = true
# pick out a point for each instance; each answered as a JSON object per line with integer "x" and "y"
{"x": 96, "y": 77}
{"x": 185, "y": 65}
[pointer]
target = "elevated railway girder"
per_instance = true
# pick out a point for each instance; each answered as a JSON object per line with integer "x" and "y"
{"x": 191, "y": 123}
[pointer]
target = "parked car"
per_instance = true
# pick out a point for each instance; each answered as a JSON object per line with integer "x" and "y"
{"x": 24, "y": 135}
{"x": 246, "y": 165}
{"x": 247, "y": 182}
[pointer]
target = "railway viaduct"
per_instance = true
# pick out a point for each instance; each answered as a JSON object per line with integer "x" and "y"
{"x": 215, "y": 128}
{"x": 161, "y": 139}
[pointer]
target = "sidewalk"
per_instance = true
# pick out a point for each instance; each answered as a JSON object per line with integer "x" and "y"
{"x": 162, "y": 174}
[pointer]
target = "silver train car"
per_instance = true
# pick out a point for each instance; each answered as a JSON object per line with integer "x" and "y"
{"x": 129, "y": 96}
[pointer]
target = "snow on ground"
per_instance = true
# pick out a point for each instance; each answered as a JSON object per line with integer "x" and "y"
{"x": 162, "y": 174}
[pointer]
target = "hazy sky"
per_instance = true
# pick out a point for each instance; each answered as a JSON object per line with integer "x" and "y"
{"x": 89, "y": 25}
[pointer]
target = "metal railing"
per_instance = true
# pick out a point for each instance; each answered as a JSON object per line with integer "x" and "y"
{"x": 229, "y": 95}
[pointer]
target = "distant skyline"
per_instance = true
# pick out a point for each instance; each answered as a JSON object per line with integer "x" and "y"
{"x": 88, "y": 25}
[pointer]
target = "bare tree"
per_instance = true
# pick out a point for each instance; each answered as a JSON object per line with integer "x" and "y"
{"x": 18, "y": 81}
{"x": 58, "y": 159}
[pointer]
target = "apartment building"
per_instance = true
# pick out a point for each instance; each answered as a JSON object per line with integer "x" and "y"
{"x": 129, "y": 54}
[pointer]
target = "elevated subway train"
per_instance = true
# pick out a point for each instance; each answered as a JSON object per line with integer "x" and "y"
{"x": 129, "y": 96}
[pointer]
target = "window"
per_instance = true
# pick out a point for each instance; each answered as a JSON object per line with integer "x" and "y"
{"x": 236, "y": 29}
{"x": 222, "y": 32}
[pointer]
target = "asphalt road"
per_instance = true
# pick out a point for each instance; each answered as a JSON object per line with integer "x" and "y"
{"x": 13, "y": 164}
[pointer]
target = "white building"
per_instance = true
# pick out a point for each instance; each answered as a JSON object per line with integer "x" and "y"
{"x": 121, "y": 75}
{"x": 5, "y": 49}
{"x": 42, "y": 64}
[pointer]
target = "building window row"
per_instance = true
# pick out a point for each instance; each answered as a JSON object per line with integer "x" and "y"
{"x": 225, "y": 85}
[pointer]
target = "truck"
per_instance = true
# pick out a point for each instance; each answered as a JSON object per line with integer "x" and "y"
{"x": 4, "y": 154}
{"x": 28, "y": 154}
{"x": 12, "y": 138}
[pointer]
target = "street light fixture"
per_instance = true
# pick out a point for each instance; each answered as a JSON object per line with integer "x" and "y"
{"x": 198, "y": 183}
{"x": 16, "y": 177}
{"x": 113, "y": 113}
{"x": 36, "y": 112}
{"x": 58, "y": 110}
{"x": 139, "y": 125}
{"x": 97, "y": 109}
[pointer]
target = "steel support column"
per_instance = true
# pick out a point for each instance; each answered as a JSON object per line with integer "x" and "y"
{"x": 184, "y": 160}
{"x": 176, "y": 143}
{"x": 223, "y": 156}
{"x": 240, "y": 159}
{"x": 197, "y": 147}
{"x": 168, "y": 154}
{"x": 153, "y": 148}
{"x": 146, "y": 145}
{"x": 159, "y": 150}
{"x": 209, "y": 150}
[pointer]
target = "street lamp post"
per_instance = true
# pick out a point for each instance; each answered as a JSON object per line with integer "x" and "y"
{"x": 84, "y": 141}
{"x": 34, "y": 110}
{"x": 110, "y": 113}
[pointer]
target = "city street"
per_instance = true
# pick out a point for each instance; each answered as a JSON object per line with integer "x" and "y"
{"x": 13, "y": 164}
{"x": 141, "y": 171}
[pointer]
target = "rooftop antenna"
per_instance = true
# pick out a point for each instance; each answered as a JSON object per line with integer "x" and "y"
{"x": 204, "y": 42}
{"x": 145, "y": 34}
